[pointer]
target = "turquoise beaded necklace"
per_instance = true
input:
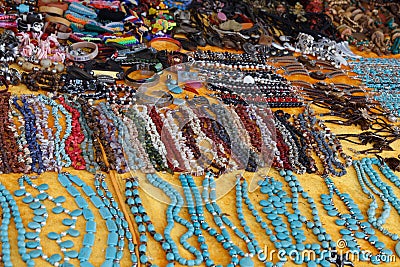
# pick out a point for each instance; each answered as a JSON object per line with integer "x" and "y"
{"x": 354, "y": 227}
{"x": 62, "y": 158}
{"x": 275, "y": 207}
{"x": 173, "y": 210}
{"x": 10, "y": 209}
{"x": 384, "y": 191}
{"x": 221, "y": 220}
{"x": 115, "y": 239}
{"x": 195, "y": 209}
{"x": 143, "y": 222}
{"x": 40, "y": 213}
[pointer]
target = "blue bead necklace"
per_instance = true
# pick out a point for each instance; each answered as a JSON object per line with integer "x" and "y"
{"x": 174, "y": 207}
{"x": 367, "y": 187}
{"x": 68, "y": 181}
{"x": 252, "y": 243}
{"x": 142, "y": 220}
{"x": 221, "y": 220}
{"x": 35, "y": 203}
{"x": 62, "y": 158}
{"x": 30, "y": 135}
{"x": 46, "y": 141}
{"x": 354, "y": 228}
{"x": 10, "y": 209}
{"x": 115, "y": 239}
{"x": 381, "y": 74}
{"x": 195, "y": 210}
{"x": 275, "y": 208}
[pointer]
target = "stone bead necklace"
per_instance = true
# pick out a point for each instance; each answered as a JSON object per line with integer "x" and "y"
{"x": 69, "y": 182}
{"x": 87, "y": 143}
{"x": 41, "y": 121}
{"x": 367, "y": 187}
{"x": 178, "y": 155}
{"x": 354, "y": 227}
{"x": 195, "y": 209}
{"x": 268, "y": 137}
{"x": 113, "y": 149}
{"x": 36, "y": 204}
{"x": 145, "y": 138}
{"x": 72, "y": 143}
{"x": 293, "y": 153}
{"x": 30, "y": 135}
{"x": 275, "y": 208}
{"x": 251, "y": 242}
{"x": 143, "y": 222}
{"x": 19, "y": 133}
{"x": 116, "y": 237}
{"x": 10, "y": 211}
{"x": 94, "y": 131}
{"x": 12, "y": 149}
{"x": 127, "y": 148}
{"x": 153, "y": 134}
{"x": 172, "y": 214}
{"x": 141, "y": 159}
{"x": 222, "y": 221}
{"x": 62, "y": 158}
{"x": 298, "y": 140}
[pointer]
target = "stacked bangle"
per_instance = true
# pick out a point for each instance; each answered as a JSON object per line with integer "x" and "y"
{"x": 75, "y": 52}
{"x": 165, "y": 40}
{"x": 146, "y": 69}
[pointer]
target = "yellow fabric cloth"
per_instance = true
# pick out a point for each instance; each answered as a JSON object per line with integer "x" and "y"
{"x": 156, "y": 209}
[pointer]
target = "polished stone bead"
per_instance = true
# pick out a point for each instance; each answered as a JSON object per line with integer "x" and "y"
{"x": 88, "y": 190}
{"x": 71, "y": 254}
{"x": 53, "y": 235}
{"x": 42, "y": 196}
{"x": 88, "y": 239}
{"x": 73, "y": 191}
{"x": 32, "y": 244}
{"x": 57, "y": 210}
{"x": 76, "y": 213}
{"x": 73, "y": 232}
{"x": 91, "y": 226}
{"x": 81, "y": 202}
{"x": 19, "y": 192}
{"x": 35, "y": 205}
{"x": 66, "y": 244}
{"x": 39, "y": 219}
{"x": 55, "y": 257}
{"x": 35, "y": 253}
{"x": 88, "y": 214}
{"x": 34, "y": 225}
{"x": 31, "y": 235}
{"x": 59, "y": 199}
{"x": 68, "y": 222}
{"x": 27, "y": 199}
{"x": 43, "y": 187}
